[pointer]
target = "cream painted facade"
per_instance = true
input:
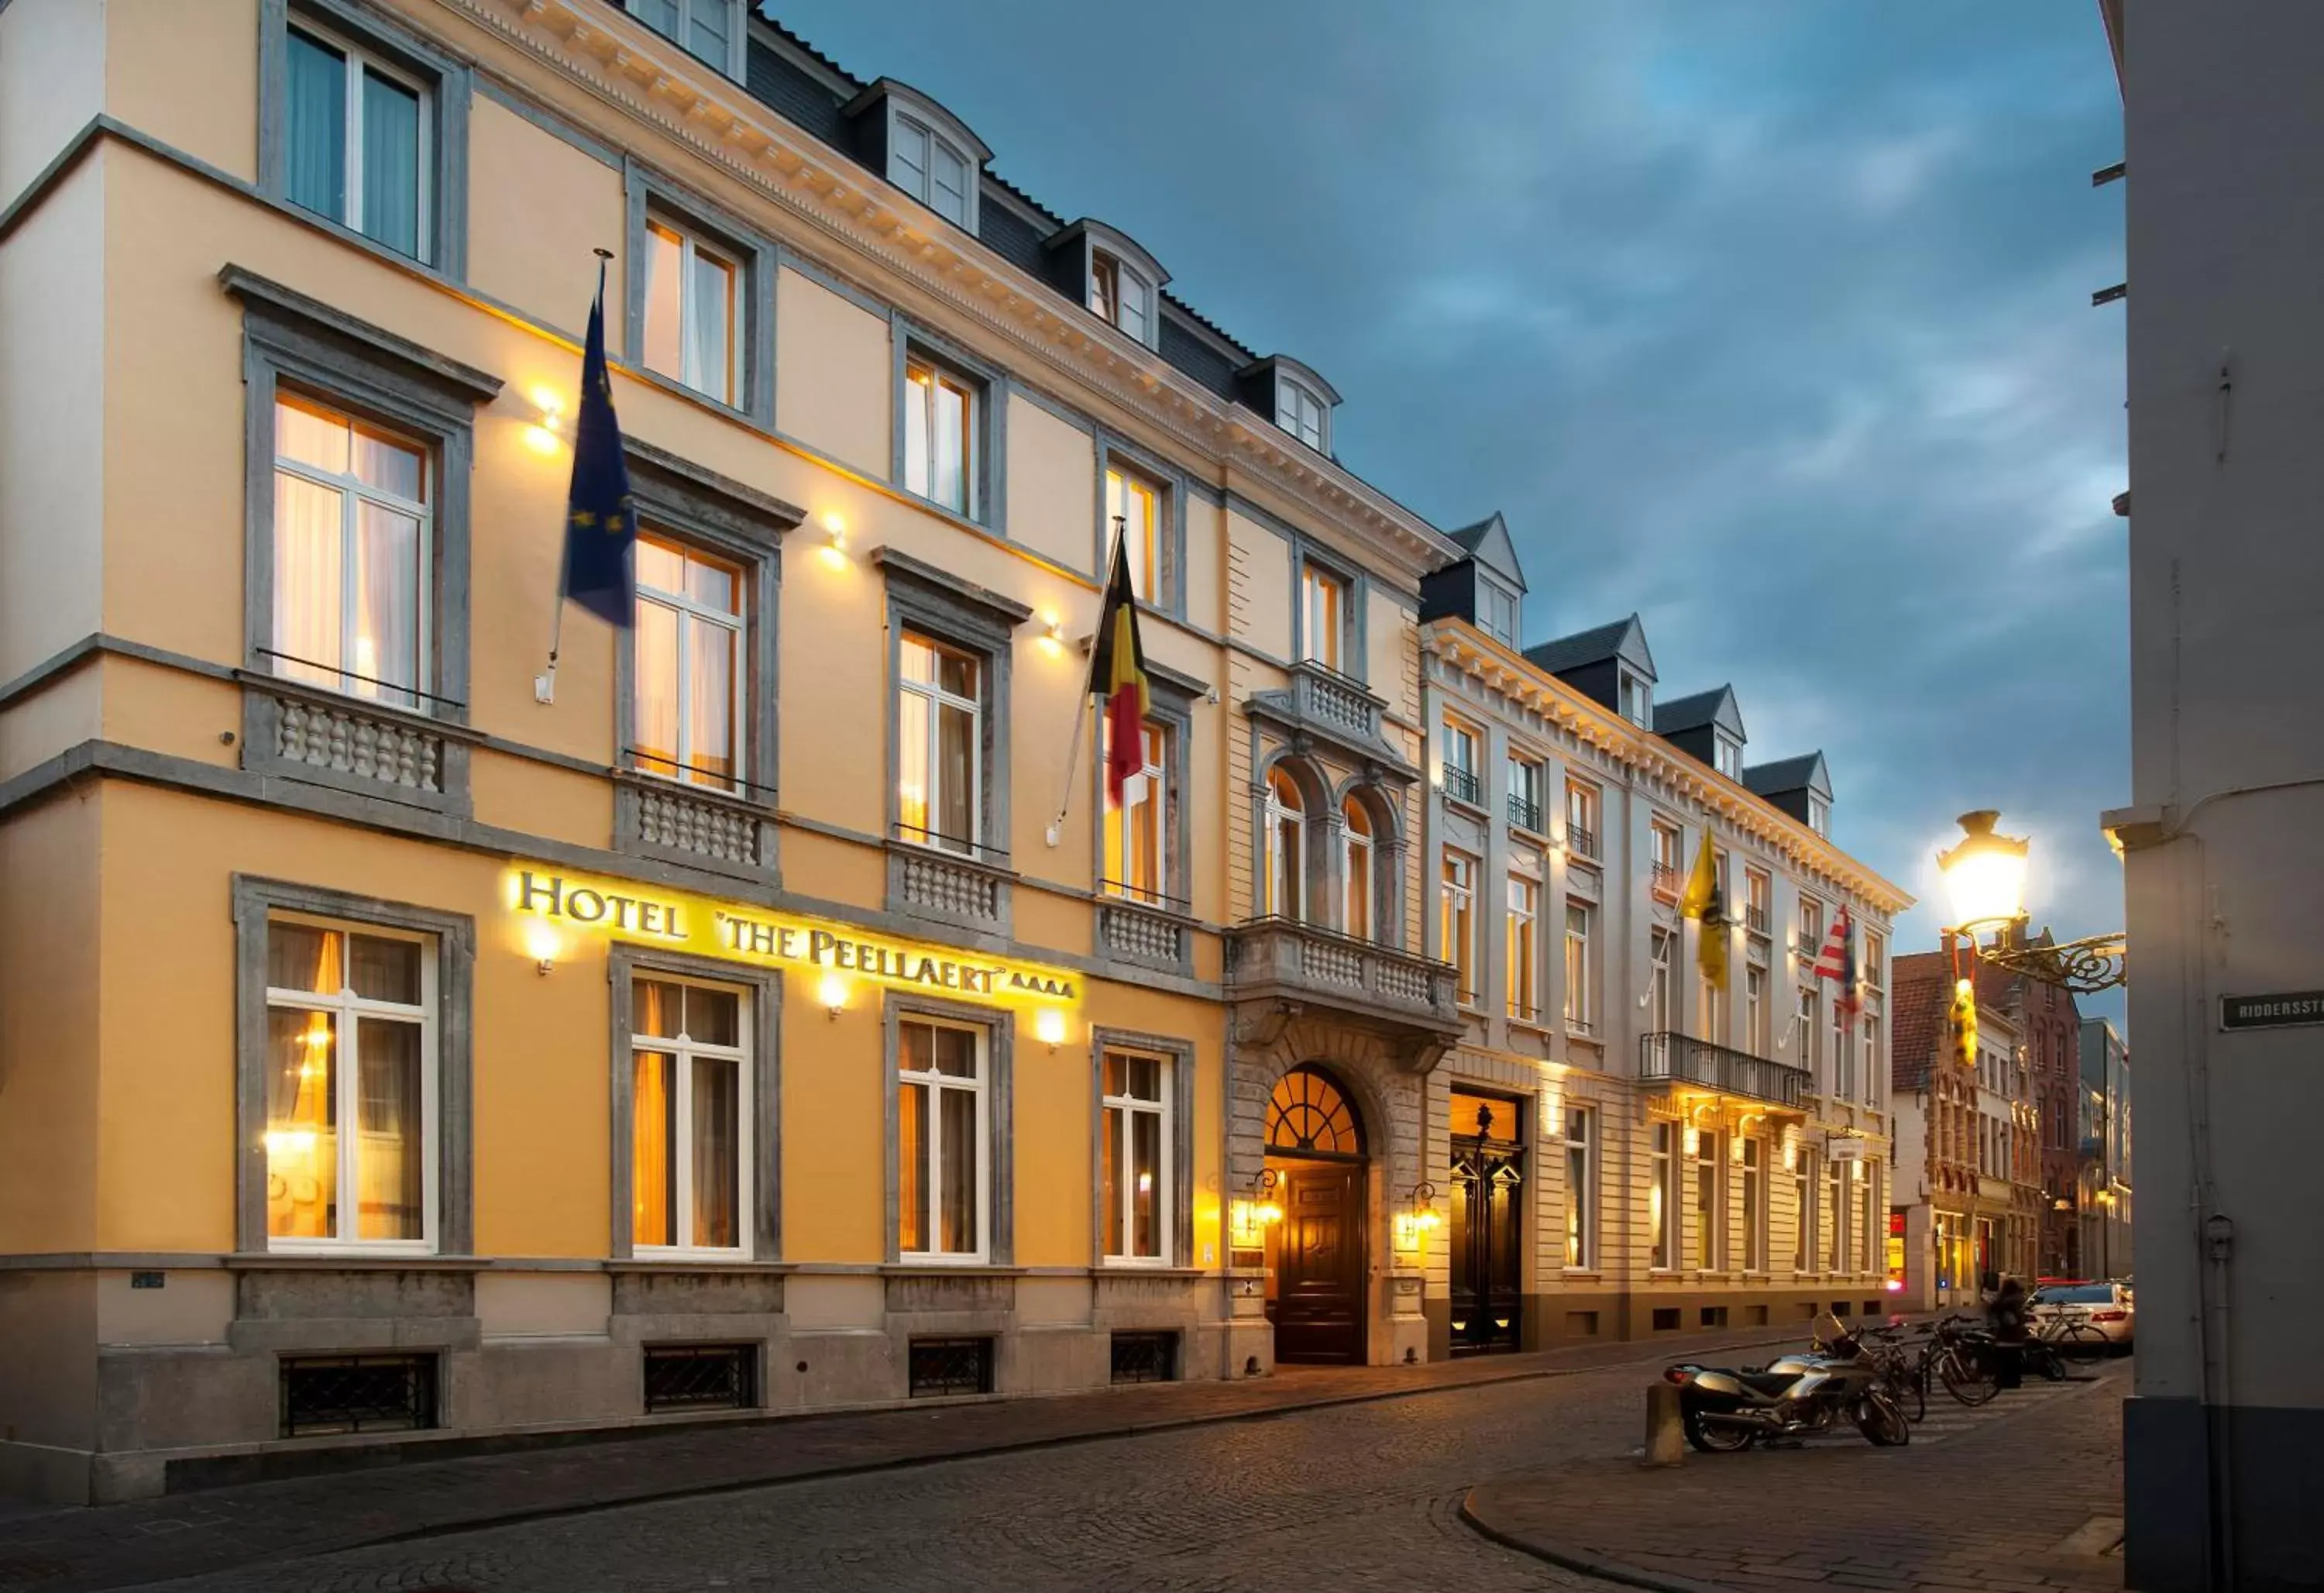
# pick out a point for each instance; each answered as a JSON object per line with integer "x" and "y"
{"x": 179, "y": 802}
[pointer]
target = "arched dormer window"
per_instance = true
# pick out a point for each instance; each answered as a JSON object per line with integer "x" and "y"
{"x": 1286, "y": 847}
{"x": 1356, "y": 868}
{"x": 922, "y": 148}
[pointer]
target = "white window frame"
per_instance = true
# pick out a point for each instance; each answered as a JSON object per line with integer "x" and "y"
{"x": 1728, "y": 756}
{"x": 1582, "y": 808}
{"x": 686, "y": 9}
{"x": 1661, "y": 952}
{"x": 973, "y": 422}
{"x": 1166, "y": 1194}
{"x": 1323, "y": 592}
{"x": 1755, "y": 1011}
{"x": 1756, "y": 1183}
{"x": 981, "y": 1137}
{"x": 937, "y": 699}
{"x": 1457, "y": 916}
{"x": 1582, "y": 1147}
{"x": 1524, "y": 943}
{"x": 352, "y": 491}
{"x": 344, "y": 1007}
{"x": 1301, "y": 411}
{"x": 690, "y": 614}
{"x": 1833, "y": 1229}
{"x": 360, "y": 60}
{"x": 1664, "y": 1142}
{"x": 933, "y": 144}
{"x": 685, "y": 1049}
{"x": 1579, "y": 970}
{"x": 1709, "y": 1249}
{"x": 1128, "y": 281}
{"x": 1150, "y": 562}
{"x": 1360, "y": 907}
{"x": 1277, "y": 816}
{"x": 1153, "y": 787}
{"x": 1819, "y": 814}
{"x": 1803, "y": 1212}
{"x": 691, "y": 246}
{"x": 1810, "y": 1029}
{"x": 1525, "y": 780}
{"x": 1635, "y": 704}
{"x": 1497, "y": 612}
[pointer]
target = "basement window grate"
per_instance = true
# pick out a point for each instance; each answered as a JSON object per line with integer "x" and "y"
{"x": 701, "y": 1376}
{"x": 1144, "y": 1358}
{"x": 357, "y": 1393}
{"x": 951, "y": 1365}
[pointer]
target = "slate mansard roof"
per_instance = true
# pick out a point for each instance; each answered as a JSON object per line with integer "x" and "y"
{"x": 1702, "y": 711}
{"x": 1625, "y": 639}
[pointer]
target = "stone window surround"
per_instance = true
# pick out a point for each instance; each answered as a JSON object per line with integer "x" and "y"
{"x": 289, "y": 339}
{"x": 693, "y": 504}
{"x": 922, "y": 598}
{"x": 989, "y": 439}
{"x": 764, "y": 990}
{"x": 254, "y": 899}
{"x": 1000, "y": 1028}
{"x": 1181, "y": 1150}
{"x": 646, "y": 192}
{"x": 1319, "y": 837}
{"x": 450, "y": 83}
{"x": 1354, "y": 600}
{"x": 1117, "y": 453}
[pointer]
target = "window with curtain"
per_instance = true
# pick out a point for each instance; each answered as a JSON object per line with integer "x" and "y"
{"x": 1524, "y": 952}
{"x": 353, "y": 543}
{"x": 943, "y": 1206}
{"x": 1580, "y": 1187}
{"x": 1803, "y": 1213}
{"x": 1456, "y": 928}
{"x": 1135, "y": 1179}
{"x": 1579, "y": 1004}
{"x": 1755, "y": 1206}
{"x": 1137, "y": 832}
{"x": 1755, "y": 1011}
{"x": 1662, "y": 945}
{"x": 1662, "y": 1198}
{"x": 356, "y": 140}
{"x": 1834, "y": 1216}
{"x": 1324, "y": 599}
{"x": 941, "y": 435}
{"x": 350, "y": 1086}
{"x": 1707, "y": 1169}
{"x": 693, "y": 309}
{"x": 690, "y": 1116}
{"x": 1356, "y": 867}
{"x": 1134, "y": 504}
{"x": 1287, "y": 848}
{"x": 690, "y": 680}
{"x": 940, "y": 744}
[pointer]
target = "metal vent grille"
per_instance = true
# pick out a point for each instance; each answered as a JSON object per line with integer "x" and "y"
{"x": 1144, "y": 1358}
{"x": 701, "y": 1376}
{"x": 357, "y": 1393}
{"x": 951, "y": 1365}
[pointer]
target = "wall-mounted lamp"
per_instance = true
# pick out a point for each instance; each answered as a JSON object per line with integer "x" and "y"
{"x": 835, "y": 531}
{"x": 1054, "y": 636}
{"x": 1049, "y": 1027}
{"x": 541, "y": 944}
{"x": 1249, "y": 1215}
{"x": 1419, "y": 1219}
{"x": 546, "y": 435}
{"x": 831, "y": 991}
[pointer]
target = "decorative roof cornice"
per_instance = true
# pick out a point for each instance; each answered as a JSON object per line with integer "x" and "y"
{"x": 1472, "y": 654}
{"x": 637, "y": 71}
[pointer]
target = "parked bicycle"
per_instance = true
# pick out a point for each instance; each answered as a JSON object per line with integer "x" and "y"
{"x": 1903, "y": 1368}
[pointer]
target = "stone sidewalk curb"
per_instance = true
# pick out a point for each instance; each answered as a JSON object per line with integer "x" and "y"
{"x": 118, "y": 1552}
{"x": 1591, "y": 1563}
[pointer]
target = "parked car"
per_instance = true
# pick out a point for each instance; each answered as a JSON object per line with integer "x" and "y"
{"x": 2105, "y": 1307}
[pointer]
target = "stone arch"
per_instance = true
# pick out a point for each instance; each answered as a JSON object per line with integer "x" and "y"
{"x": 1385, "y": 814}
{"x": 1319, "y": 825}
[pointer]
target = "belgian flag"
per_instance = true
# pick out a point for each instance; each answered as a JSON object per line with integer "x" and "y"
{"x": 1118, "y": 678}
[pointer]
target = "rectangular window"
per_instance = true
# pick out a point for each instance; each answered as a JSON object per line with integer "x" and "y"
{"x": 1461, "y": 760}
{"x": 1356, "y": 868}
{"x": 691, "y": 1152}
{"x": 1662, "y": 946}
{"x": 1876, "y": 957}
{"x": 1755, "y": 1206}
{"x": 1874, "y": 1071}
{"x": 1707, "y": 1174}
{"x": 1497, "y": 616}
{"x": 693, "y": 309}
{"x": 1456, "y": 927}
{"x": 1818, "y": 815}
{"x": 1755, "y": 1011}
{"x": 1635, "y": 704}
{"x": 353, "y": 540}
{"x": 1843, "y": 1056}
{"x": 1711, "y": 1001}
{"x": 1581, "y": 819}
{"x": 1757, "y": 890}
{"x": 708, "y": 28}
{"x": 1867, "y": 1235}
{"x": 1524, "y": 793}
{"x": 1287, "y": 848}
{"x": 1803, "y": 1216}
{"x": 1137, "y": 832}
{"x": 1835, "y": 1217}
{"x": 1730, "y": 758}
{"x": 940, "y": 744}
{"x": 1323, "y": 600}
{"x": 1811, "y": 1031}
{"x": 930, "y": 167}
{"x": 692, "y": 675}
{"x": 351, "y": 1083}
{"x": 1120, "y": 295}
{"x": 1299, "y": 412}
{"x": 1523, "y": 953}
{"x": 1662, "y": 1198}
{"x": 1580, "y": 1009}
{"x": 358, "y": 139}
{"x": 1137, "y": 1176}
{"x": 943, "y": 1198}
{"x": 1663, "y": 842}
{"x": 943, "y": 434}
{"x": 1811, "y": 929}
{"x": 1134, "y": 505}
{"x": 1580, "y": 1187}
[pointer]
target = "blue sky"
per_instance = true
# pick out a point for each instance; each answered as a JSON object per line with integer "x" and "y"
{"x": 1768, "y": 320}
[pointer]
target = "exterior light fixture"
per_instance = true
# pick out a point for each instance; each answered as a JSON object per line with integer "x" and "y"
{"x": 1249, "y": 1215}
{"x": 1054, "y": 637}
{"x": 546, "y": 434}
{"x": 541, "y": 944}
{"x": 1984, "y": 874}
{"x": 1049, "y": 1027}
{"x": 834, "y": 547}
{"x": 831, "y": 991}
{"x": 1419, "y": 1219}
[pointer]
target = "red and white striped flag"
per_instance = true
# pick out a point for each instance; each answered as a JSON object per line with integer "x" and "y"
{"x": 1837, "y": 962}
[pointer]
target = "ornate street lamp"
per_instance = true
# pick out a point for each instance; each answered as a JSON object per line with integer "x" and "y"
{"x": 1984, "y": 874}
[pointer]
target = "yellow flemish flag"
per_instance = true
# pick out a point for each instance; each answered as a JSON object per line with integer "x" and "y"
{"x": 1705, "y": 902}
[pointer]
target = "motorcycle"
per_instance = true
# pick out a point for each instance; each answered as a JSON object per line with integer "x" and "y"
{"x": 1794, "y": 1397}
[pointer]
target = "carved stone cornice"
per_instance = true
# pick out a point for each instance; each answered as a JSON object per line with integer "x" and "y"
{"x": 1471, "y": 654}
{"x": 655, "y": 83}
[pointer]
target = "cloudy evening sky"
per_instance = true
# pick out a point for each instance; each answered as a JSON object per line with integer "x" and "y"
{"x": 1769, "y": 321}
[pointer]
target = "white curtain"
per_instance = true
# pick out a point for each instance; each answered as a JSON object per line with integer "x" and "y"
{"x": 307, "y": 517}
{"x": 391, "y": 164}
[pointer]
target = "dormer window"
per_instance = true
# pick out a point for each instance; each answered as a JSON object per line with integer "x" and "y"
{"x": 1637, "y": 703}
{"x": 1728, "y": 757}
{"x": 930, "y": 167}
{"x": 1820, "y": 814}
{"x": 1303, "y": 412}
{"x": 1120, "y": 294}
{"x": 1497, "y": 612}
{"x": 710, "y": 30}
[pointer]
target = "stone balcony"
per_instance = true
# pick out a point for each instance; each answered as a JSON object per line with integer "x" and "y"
{"x": 1303, "y": 967}
{"x": 1336, "y": 710}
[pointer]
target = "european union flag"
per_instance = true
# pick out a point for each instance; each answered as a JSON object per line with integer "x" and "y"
{"x": 600, "y": 523}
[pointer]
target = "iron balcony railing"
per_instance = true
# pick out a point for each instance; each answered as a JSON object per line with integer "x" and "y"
{"x": 1681, "y": 1058}
{"x": 1580, "y": 842}
{"x": 1755, "y": 916}
{"x": 1525, "y": 813}
{"x": 1460, "y": 784}
{"x": 1666, "y": 881}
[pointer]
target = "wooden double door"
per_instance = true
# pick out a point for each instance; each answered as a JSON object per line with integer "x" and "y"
{"x": 1488, "y": 1293}
{"x": 1321, "y": 1271}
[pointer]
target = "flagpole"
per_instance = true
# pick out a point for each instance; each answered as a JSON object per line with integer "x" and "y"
{"x": 544, "y": 685}
{"x": 1056, "y": 832}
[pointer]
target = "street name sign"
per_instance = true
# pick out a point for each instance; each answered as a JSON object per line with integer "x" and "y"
{"x": 2289, "y": 1009}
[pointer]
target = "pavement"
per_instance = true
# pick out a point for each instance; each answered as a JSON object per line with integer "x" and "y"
{"x": 2021, "y": 1494}
{"x": 417, "y": 1515}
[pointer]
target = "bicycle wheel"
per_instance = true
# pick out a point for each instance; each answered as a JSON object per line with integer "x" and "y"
{"x": 2082, "y": 1345}
{"x": 1906, "y": 1389}
{"x": 1971, "y": 1384}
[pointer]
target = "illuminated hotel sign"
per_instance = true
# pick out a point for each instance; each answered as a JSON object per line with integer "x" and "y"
{"x": 621, "y": 910}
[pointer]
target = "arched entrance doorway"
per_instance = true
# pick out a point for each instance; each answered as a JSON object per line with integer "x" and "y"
{"x": 1318, "y": 1271}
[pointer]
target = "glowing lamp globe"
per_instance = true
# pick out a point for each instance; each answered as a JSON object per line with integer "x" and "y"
{"x": 1984, "y": 874}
